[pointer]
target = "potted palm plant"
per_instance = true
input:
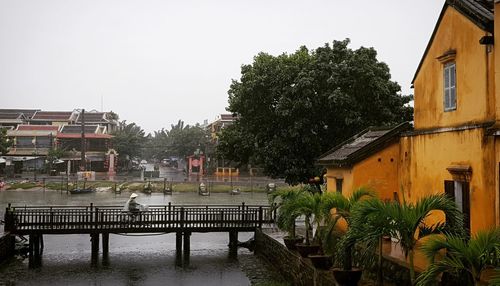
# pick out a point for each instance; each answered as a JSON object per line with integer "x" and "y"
{"x": 343, "y": 207}
{"x": 465, "y": 260}
{"x": 285, "y": 216}
{"x": 370, "y": 228}
{"x": 406, "y": 222}
{"x": 304, "y": 204}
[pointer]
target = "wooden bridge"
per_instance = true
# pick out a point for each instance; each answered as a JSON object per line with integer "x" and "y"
{"x": 36, "y": 221}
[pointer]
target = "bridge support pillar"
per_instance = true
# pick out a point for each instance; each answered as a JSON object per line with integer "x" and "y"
{"x": 94, "y": 240}
{"x": 187, "y": 248}
{"x": 35, "y": 250}
{"x": 105, "y": 245}
{"x": 178, "y": 248}
{"x": 233, "y": 239}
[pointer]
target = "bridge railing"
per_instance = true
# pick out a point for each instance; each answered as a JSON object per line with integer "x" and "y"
{"x": 109, "y": 218}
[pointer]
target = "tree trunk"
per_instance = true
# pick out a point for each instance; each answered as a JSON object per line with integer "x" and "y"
{"x": 412, "y": 268}
{"x": 380, "y": 274}
{"x": 307, "y": 231}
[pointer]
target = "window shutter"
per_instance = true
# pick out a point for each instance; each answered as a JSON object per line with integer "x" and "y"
{"x": 449, "y": 189}
{"x": 466, "y": 204}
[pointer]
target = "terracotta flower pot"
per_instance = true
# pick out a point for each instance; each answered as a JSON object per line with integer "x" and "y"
{"x": 347, "y": 277}
{"x": 319, "y": 261}
{"x": 306, "y": 249}
{"x": 290, "y": 242}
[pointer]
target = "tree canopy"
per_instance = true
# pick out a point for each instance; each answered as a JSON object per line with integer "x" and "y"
{"x": 128, "y": 141}
{"x": 293, "y": 107}
{"x": 181, "y": 141}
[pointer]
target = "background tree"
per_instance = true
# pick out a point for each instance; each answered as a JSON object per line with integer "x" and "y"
{"x": 5, "y": 143}
{"x": 53, "y": 155}
{"x": 180, "y": 141}
{"x": 128, "y": 141}
{"x": 292, "y": 108}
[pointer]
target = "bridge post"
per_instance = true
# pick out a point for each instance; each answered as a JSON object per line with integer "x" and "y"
{"x": 233, "y": 239}
{"x": 30, "y": 250}
{"x": 260, "y": 217}
{"x": 105, "y": 245}
{"x": 94, "y": 239}
{"x": 187, "y": 248}
{"x": 36, "y": 252}
{"x": 178, "y": 248}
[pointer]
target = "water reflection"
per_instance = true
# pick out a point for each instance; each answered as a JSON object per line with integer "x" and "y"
{"x": 132, "y": 260}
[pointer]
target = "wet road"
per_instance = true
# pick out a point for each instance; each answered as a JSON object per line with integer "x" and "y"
{"x": 133, "y": 260}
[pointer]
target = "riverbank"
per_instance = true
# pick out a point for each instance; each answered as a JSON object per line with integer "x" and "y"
{"x": 112, "y": 186}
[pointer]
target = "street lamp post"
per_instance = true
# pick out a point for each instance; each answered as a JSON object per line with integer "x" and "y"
{"x": 35, "y": 160}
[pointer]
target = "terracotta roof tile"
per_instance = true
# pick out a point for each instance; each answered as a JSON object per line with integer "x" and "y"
{"x": 37, "y": 127}
{"x": 52, "y": 115}
{"x": 77, "y": 129}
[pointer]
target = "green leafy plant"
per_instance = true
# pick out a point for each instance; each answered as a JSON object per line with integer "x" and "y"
{"x": 280, "y": 199}
{"x": 343, "y": 210}
{"x": 465, "y": 259}
{"x": 368, "y": 227}
{"x": 407, "y": 223}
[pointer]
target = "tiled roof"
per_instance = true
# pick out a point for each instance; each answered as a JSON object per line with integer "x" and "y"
{"x": 229, "y": 117}
{"x": 87, "y": 135}
{"x": 37, "y": 127}
{"x": 27, "y": 112}
{"x": 361, "y": 145}
{"x": 93, "y": 117}
{"x": 478, "y": 11}
{"x": 52, "y": 115}
{"x": 77, "y": 129}
{"x": 10, "y": 116}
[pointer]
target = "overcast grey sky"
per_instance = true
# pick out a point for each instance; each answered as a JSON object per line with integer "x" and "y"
{"x": 156, "y": 61}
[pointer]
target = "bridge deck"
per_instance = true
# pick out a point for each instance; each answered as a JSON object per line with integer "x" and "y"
{"x": 113, "y": 219}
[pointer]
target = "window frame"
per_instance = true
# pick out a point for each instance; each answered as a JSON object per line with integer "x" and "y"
{"x": 339, "y": 182}
{"x": 449, "y": 89}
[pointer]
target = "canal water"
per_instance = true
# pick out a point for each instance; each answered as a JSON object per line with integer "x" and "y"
{"x": 133, "y": 260}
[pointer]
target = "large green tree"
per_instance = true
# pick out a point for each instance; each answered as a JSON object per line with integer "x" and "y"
{"x": 128, "y": 141}
{"x": 293, "y": 107}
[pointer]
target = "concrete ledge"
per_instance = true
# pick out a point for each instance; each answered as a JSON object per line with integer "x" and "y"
{"x": 291, "y": 266}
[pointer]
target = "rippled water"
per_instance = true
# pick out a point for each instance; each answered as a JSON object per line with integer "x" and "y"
{"x": 133, "y": 260}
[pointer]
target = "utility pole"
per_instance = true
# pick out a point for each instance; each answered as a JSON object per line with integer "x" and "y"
{"x": 82, "y": 159}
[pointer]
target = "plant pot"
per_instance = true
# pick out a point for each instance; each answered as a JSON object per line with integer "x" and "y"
{"x": 290, "y": 242}
{"x": 319, "y": 261}
{"x": 306, "y": 249}
{"x": 347, "y": 277}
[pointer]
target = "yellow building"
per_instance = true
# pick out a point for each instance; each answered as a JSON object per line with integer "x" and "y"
{"x": 454, "y": 147}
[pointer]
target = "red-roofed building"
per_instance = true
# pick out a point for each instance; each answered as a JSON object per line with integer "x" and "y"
{"x": 97, "y": 147}
{"x": 58, "y": 118}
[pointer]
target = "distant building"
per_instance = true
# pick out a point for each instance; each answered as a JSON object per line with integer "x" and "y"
{"x": 219, "y": 165}
{"x": 222, "y": 121}
{"x": 34, "y": 132}
{"x": 98, "y": 145}
{"x": 57, "y": 118}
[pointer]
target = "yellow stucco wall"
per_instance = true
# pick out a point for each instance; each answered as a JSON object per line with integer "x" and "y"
{"x": 425, "y": 159}
{"x": 475, "y": 98}
{"x": 379, "y": 171}
{"x": 333, "y": 173}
